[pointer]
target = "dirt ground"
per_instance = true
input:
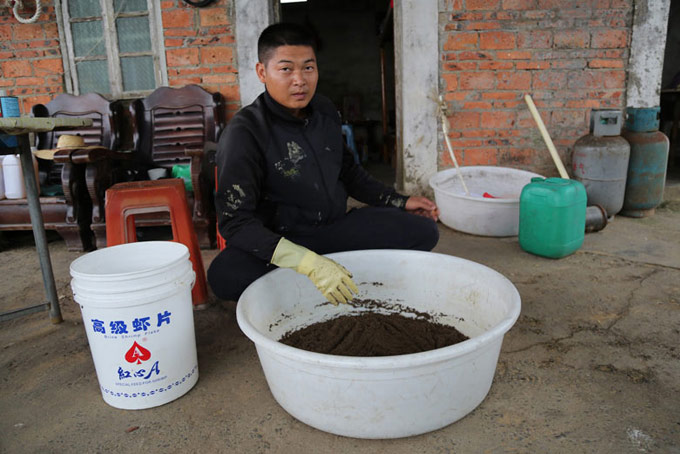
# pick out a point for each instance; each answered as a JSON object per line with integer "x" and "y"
{"x": 591, "y": 366}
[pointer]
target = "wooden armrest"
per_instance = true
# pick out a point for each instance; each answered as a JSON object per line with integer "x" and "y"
{"x": 90, "y": 155}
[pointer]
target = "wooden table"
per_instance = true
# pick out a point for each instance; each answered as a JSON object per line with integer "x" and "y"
{"x": 22, "y": 127}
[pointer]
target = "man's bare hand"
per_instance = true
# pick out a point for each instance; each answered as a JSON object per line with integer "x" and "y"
{"x": 422, "y": 206}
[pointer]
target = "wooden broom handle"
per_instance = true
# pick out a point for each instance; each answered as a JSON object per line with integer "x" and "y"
{"x": 546, "y": 137}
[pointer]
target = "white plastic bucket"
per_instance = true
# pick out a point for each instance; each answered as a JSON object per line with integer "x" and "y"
{"x": 474, "y": 213}
{"x": 390, "y": 396}
{"x": 135, "y": 300}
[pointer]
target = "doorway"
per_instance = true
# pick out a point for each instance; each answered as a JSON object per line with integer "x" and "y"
{"x": 356, "y": 71}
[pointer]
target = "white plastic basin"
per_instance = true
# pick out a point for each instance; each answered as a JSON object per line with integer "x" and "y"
{"x": 476, "y": 214}
{"x": 392, "y": 396}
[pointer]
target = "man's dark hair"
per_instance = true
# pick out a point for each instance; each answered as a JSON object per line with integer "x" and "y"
{"x": 283, "y": 34}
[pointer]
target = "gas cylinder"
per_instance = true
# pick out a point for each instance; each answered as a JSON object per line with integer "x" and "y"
{"x": 600, "y": 160}
{"x": 552, "y": 217}
{"x": 648, "y": 161}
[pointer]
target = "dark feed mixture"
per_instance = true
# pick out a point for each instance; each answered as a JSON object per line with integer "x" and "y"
{"x": 374, "y": 334}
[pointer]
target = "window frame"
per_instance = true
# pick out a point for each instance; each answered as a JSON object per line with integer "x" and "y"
{"x": 111, "y": 44}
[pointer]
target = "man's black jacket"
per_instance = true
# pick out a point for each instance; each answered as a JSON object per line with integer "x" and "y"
{"x": 279, "y": 174}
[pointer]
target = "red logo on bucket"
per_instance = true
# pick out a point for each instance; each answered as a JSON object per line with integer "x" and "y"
{"x": 137, "y": 354}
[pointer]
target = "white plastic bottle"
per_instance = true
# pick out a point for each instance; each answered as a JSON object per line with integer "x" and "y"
{"x": 14, "y": 177}
{"x": 2, "y": 180}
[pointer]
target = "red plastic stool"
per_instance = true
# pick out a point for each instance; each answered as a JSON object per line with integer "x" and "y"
{"x": 124, "y": 200}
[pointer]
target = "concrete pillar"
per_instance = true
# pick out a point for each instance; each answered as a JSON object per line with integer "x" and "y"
{"x": 645, "y": 66}
{"x": 252, "y": 16}
{"x": 416, "y": 53}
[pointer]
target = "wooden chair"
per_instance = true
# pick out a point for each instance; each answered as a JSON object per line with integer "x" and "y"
{"x": 175, "y": 126}
{"x": 66, "y": 204}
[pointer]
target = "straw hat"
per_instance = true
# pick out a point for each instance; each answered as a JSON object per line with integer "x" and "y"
{"x": 66, "y": 142}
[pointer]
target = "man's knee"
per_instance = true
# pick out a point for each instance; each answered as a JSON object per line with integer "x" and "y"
{"x": 427, "y": 234}
{"x": 232, "y": 271}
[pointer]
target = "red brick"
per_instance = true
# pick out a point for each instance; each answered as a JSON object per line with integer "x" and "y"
{"x": 569, "y": 118}
{"x": 230, "y": 92}
{"x": 607, "y": 39}
{"x": 533, "y": 65}
{"x": 191, "y": 71}
{"x": 174, "y": 42}
{"x": 498, "y": 119}
{"x": 571, "y": 39}
{"x": 477, "y": 80}
{"x": 178, "y": 18}
{"x": 5, "y": 82}
{"x": 480, "y": 157}
{"x": 210, "y": 17}
{"x": 5, "y": 32}
{"x": 24, "y": 32}
{"x": 459, "y": 41}
{"x": 182, "y": 57}
{"x": 539, "y": 39}
{"x": 605, "y": 64}
{"x": 549, "y": 80}
{"x": 496, "y": 40}
{"x": 16, "y": 68}
{"x": 514, "y": 55}
{"x": 460, "y": 66}
{"x": 482, "y": 4}
{"x": 479, "y": 133}
{"x": 182, "y": 81}
{"x": 464, "y": 120}
{"x": 466, "y": 55}
{"x": 499, "y": 95}
{"x": 224, "y": 69}
{"x": 446, "y": 160}
{"x": 217, "y": 55}
{"x": 513, "y": 157}
{"x": 450, "y": 81}
{"x": 495, "y": 65}
{"x": 465, "y": 143}
{"x": 477, "y": 105}
{"x": 216, "y": 79}
{"x": 28, "y": 102}
{"x": 51, "y": 30}
{"x": 26, "y": 81}
{"x": 515, "y": 80}
{"x": 179, "y": 32}
{"x": 486, "y": 25}
{"x": 583, "y": 104}
{"x": 519, "y": 4}
{"x": 48, "y": 65}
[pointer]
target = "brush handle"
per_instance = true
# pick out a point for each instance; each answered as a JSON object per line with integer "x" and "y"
{"x": 546, "y": 137}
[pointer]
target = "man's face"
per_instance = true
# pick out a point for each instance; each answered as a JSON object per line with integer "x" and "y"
{"x": 290, "y": 76}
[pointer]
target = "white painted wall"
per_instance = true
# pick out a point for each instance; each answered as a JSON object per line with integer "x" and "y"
{"x": 416, "y": 53}
{"x": 645, "y": 66}
{"x": 252, "y": 16}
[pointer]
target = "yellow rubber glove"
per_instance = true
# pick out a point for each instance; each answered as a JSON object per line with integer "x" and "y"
{"x": 331, "y": 278}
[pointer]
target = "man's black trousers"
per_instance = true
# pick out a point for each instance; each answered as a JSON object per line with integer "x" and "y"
{"x": 361, "y": 228}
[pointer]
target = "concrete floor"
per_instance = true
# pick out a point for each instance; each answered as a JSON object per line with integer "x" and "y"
{"x": 591, "y": 366}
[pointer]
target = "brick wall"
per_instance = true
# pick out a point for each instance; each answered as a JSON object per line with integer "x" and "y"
{"x": 30, "y": 58}
{"x": 199, "y": 45}
{"x": 570, "y": 56}
{"x": 200, "y": 48}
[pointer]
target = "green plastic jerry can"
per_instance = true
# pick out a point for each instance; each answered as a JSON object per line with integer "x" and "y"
{"x": 552, "y": 217}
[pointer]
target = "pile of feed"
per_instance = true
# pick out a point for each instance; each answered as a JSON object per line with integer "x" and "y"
{"x": 372, "y": 333}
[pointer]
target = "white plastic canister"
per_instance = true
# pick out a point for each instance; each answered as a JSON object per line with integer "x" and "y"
{"x": 135, "y": 300}
{"x": 14, "y": 177}
{"x": 2, "y": 180}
